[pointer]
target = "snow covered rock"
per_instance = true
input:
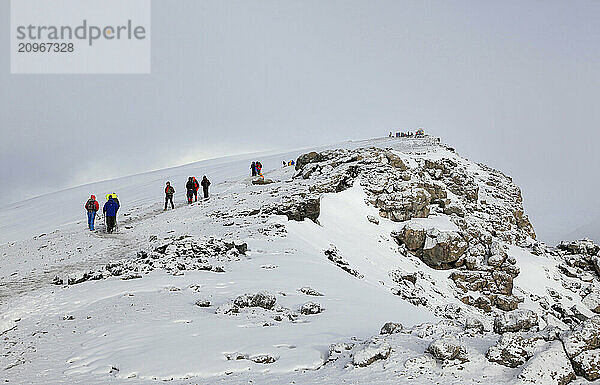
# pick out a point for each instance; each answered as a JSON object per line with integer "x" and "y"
{"x": 391, "y": 328}
{"x": 263, "y": 359}
{"x": 202, "y": 302}
{"x": 262, "y": 299}
{"x": 548, "y": 367}
{"x": 376, "y": 349}
{"x": 311, "y": 308}
{"x": 310, "y": 291}
{"x": 592, "y": 300}
{"x": 515, "y": 321}
{"x": 446, "y": 349}
{"x": 587, "y": 364}
{"x": 442, "y": 248}
{"x": 586, "y": 336}
{"x": 411, "y": 235}
{"x": 513, "y": 350}
{"x": 333, "y": 255}
{"x": 373, "y": 219}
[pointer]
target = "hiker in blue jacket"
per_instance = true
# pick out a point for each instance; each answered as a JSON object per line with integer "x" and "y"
{"x": 110, "y": 213}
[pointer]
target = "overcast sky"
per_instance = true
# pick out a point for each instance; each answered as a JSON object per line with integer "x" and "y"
{"x": 514, "y": 84}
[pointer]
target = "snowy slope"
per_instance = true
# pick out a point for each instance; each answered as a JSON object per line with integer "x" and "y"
{"x": 173, "y": 295}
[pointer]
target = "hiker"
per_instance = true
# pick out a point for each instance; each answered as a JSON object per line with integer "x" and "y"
{"x": 113, "y": 196}
{"x": 205, "y": 184}
{"x": 284, "y": 164}
{"x": 258, "y": 168}
{"x": 110, "y": 213}
{"x": 190, "y": 186}
{"x": 92, "y": 207}
{"x": 169, "y": 191}
{"x": 196, "y": 187}
{"x": 253, "y": 168}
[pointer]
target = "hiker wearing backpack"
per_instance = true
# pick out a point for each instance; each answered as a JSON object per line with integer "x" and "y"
{"x": 258, "y": 168}
{"x": 253, "y": 168}
{"x": 92, "y": 207}
{"x": 110, "y": 213}
{"x": 190, "y": 186}
{"x": 196, "y": 187}
{"x": 205, "y": 184}
{"x": 169, "y": 191}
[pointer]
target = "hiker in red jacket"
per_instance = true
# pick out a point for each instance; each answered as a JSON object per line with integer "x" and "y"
{"x": 196, "y": 187}
{"x": 92, "y": 207}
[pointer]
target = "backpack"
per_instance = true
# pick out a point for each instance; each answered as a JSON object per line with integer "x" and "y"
{"x": 90, "y": 205}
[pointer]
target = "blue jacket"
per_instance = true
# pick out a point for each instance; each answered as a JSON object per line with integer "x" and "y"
{"x": 110, "y": 208}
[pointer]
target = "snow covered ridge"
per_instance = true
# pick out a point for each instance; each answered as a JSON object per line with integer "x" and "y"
{"x": 384, "y": 261}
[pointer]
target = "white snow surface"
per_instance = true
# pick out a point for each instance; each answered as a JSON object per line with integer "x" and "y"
{"x": 140, "y": 330}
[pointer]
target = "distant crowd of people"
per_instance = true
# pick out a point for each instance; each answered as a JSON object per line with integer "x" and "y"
{"x": 289, "y": 163}
{"x": 400, "y": 134}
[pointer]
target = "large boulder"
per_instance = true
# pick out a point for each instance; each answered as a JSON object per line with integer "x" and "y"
{"x": 391, "y": 328}
{"x": 442, "y": 248}
{"x": 515, "y": 321}
{"x": 548, "y": 367}
{"x": 262, "y": 299}
{"x": 412, "y": 235}
{"x": 376, "y": 349}
{"x": 311, "y": 157}
{"x": 447, "y": 349}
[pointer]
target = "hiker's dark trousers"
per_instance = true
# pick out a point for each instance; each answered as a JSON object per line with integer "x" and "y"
{"x": 111, "y": 222}
{"x": 169, "y": 198}
{"x": 205, "y": 191}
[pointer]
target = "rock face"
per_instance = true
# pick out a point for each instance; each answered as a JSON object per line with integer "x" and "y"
{"x": 515, "y": 321}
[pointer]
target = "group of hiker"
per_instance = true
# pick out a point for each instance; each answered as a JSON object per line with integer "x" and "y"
{"x": 109, "y": 210}
{"x": 256, "y": 168}
{"x": 192, "y": 187}
{"x": 418, "y": 134}
{"x": 112, "y": 205}
{"x": 288, "y": 163}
